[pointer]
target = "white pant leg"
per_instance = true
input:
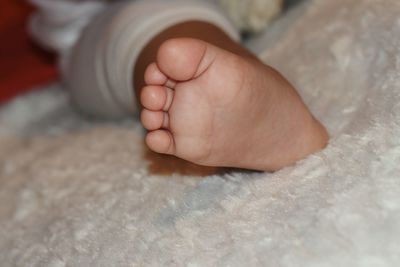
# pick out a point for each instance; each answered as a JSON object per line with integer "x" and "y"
{"x": 100, "y": 71}
{"x": 57, "y": 24}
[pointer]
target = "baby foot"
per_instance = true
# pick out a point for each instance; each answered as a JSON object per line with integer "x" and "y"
{"x": 215, "y": 108}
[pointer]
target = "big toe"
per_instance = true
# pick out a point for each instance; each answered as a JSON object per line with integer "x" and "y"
{"x": 184, "y": 58}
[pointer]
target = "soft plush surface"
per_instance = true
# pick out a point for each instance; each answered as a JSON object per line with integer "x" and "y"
{"x": 75, "y": 192}
{"x": 252, "y": 15}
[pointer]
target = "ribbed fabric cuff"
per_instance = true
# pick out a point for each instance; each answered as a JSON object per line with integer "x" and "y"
{"x": 100, "y": 71}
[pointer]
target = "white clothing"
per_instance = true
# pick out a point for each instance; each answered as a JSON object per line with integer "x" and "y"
{"x": 99, "y": 42}
{"x": 97, "y": 59}
{"x": 100, "y": 72}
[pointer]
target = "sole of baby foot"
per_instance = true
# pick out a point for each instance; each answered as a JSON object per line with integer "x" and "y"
{"x": 216, "y": 108}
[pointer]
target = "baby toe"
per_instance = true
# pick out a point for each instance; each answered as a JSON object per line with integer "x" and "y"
{"x": 160, "y": 141}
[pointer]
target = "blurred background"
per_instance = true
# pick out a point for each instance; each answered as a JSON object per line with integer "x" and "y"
{"x": 23, "y": 65}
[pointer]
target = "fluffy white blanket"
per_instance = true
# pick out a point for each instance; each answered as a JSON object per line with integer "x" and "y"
{"x": 75, "y": 192}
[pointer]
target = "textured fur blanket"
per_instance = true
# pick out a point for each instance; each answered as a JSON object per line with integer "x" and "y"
{"x": 75, "y": 192}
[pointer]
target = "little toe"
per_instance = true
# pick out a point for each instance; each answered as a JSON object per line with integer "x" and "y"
{"x": 161, "y": 141}
{"x": 155, "y": 97}
{"x": 152, "y": 120}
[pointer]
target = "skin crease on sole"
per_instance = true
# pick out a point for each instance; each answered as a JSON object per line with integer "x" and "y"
{"x": 213, "y": 107}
